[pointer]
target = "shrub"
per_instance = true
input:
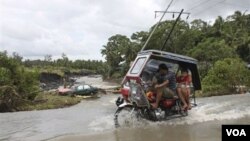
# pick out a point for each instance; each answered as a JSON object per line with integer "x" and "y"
{"x": 226, "y": 76}
{"x": 13, "y": 74}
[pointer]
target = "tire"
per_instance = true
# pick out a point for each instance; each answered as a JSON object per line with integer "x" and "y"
{"x": 125, "y": 116}
{"x": 184, "y": 113}
{"x": 151, "y": 115}
{"x": 180, "y": 111}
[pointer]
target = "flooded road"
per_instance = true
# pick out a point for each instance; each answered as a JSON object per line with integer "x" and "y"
{"x": 205, "y": 131}
{"x": 46, "y": 124}
{"x": 203, "y": 123}
{"x": 93, "y": 120}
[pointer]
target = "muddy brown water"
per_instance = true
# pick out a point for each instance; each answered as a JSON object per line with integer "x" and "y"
{"x": 92, "y": 120}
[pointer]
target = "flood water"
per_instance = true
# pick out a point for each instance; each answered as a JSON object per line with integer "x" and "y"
{"x": 92, "y": 120}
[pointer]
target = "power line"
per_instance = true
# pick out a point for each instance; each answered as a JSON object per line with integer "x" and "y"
{"x": 144, "y": 46}
{"x": 199, "y": 12}
{"x": 172, "y": 29}
{"x": 231, "y": 4}
{"x": 198, "y": 5}
{"x": 175, "y": 2}
{"x": 173, "y": 12}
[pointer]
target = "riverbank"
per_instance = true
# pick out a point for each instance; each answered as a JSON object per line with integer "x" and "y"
{"x": 49, "y": 100}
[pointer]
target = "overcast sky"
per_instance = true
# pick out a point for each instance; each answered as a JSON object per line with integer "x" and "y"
{"x": 79, "y": 28}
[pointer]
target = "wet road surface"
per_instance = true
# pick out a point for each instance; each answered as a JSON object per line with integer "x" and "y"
{"x": 93, "y": 120}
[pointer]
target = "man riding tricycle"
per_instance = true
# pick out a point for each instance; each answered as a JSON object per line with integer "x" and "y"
{"x": 154, "y": 89}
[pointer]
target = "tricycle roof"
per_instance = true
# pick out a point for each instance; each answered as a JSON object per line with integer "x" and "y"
{"x": 169, "y": 56}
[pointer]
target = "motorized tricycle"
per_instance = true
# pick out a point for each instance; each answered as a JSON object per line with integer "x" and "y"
{"x": 136, "y": 104}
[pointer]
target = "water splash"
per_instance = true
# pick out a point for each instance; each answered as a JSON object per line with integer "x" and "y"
{"x": 208, "y": 109}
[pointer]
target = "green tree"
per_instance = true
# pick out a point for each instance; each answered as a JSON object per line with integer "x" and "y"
{"x": 244, "y": 51}
{"x": 14, "y": 74}
{"x": 116, "y": 51}
{"x": 209, "y": 51}
{"x": 226, "y": 76}
{"x": 17, "y": 57}
{"x": 229, "y": 37}
{"x": 159, "y": 37}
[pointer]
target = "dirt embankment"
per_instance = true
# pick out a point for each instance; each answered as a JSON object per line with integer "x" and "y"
{"x": 53, "y": 80}
{"x": 50, "y": 80}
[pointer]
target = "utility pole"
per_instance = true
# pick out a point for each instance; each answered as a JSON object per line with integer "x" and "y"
{"x": 173, "y": 12}
{"x": 146, "y": 43}
{"x": 164, "y": 12}
{"x": 172, "y": 29}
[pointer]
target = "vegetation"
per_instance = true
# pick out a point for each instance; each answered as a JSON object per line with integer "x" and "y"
{"x": 19, "y": 81}
{"x": 16, "y": 83}
{"x": 49, "y": 101}
{"x": 64, "y": 65}
{"x": 225, "y": 77}
{"x": 211, "y": 44}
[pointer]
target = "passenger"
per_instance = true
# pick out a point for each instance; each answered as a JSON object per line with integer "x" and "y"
{"x": 165, "y": 84}
{"x": 183, "y": 88}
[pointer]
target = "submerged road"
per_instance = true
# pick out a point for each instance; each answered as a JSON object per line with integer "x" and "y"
{"x": 93, "y": 120}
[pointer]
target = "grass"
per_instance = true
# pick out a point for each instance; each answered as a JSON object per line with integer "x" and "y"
{"x": 49, "y": 100}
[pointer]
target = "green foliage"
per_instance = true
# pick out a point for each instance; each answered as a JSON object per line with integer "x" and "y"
{"x": 119, "y": 52}
{"x": 243, "y": 49}
{"x": 178, "y": 41}
{"x": 209, "y": 44}
{"x": 29, "y": 84}
{"x": 62, "y": 65}
{"x": 226, "y": 76}
{"x": 209, "y": 51}
{"x": 13, "y": 74}
{"x": 116, "y": 75}
{"x": 5, "y": 76}
{"x": 225, "y": 38}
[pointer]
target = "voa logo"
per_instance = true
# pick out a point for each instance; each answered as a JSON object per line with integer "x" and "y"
{"x": 236, "y": 132}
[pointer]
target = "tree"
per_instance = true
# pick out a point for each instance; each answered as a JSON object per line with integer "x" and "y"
{"x": 244, "y": 51}
{"x": 217, "y": 27}
{"x": 48, "y": 58}
{"x": 116, "y": 51}
{"x": 140, "y": 37}
{"x": 65, "y": 60}
{"x": 17, "y": 57}
{"x": 206, "y": 42}
{"x": 210, "y": 51}
{"x": 226, "y": 76}
{"x": 14, "y": 75}
{"x": 199, "y": 25}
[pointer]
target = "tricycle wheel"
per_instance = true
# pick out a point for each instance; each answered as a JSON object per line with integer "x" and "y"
{"x": 125, "y": 116}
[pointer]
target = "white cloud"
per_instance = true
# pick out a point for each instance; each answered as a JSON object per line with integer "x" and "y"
{"x": 80, "y": 28}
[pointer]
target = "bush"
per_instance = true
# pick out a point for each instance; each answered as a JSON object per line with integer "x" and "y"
{"x": 214, "y": 90}
{"x": 28, "y": 87}
{"x": 117, "y": 75}
{"x": 225, "y": 77}
{"x": 13, "y": 74}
